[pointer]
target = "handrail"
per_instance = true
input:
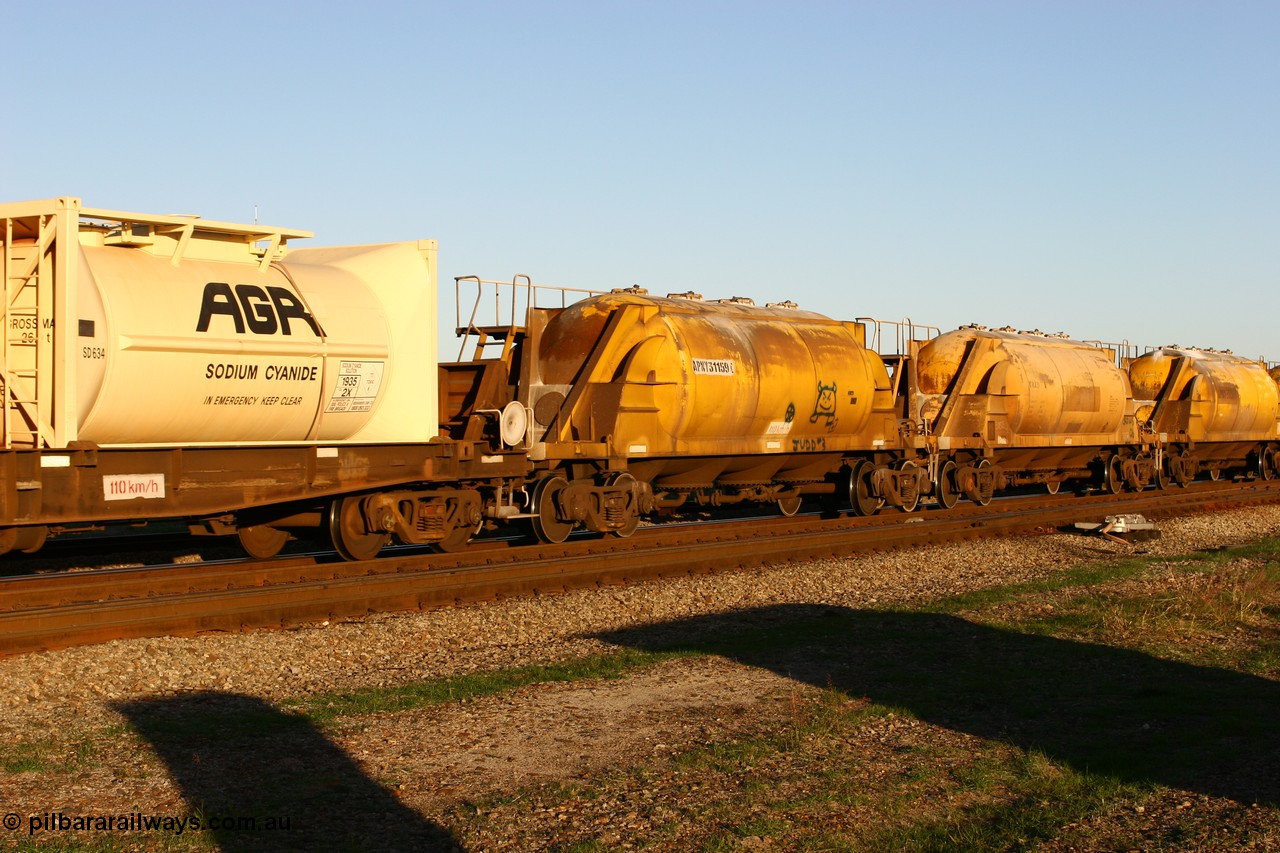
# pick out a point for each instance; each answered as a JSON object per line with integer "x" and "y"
{"x": 511, "y": 299}
{"x": 905, "y": 331}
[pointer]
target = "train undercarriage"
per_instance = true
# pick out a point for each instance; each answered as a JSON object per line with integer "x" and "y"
{"x": 386, "y": 503}
{"x": 862, "y": 485}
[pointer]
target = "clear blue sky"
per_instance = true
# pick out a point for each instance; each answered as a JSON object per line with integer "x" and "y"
{"x": 1107, "y": 169}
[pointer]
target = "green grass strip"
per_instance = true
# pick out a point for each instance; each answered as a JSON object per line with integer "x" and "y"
{"x": 327, "y": 707}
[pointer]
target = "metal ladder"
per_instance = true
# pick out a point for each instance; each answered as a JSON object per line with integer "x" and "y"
{"x": 26, "y": 372}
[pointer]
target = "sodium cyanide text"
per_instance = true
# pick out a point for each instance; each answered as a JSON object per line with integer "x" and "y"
{"x": 271, "y": 373}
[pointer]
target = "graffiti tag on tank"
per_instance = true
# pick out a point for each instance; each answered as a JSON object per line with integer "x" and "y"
{"x": 825, "y": 406}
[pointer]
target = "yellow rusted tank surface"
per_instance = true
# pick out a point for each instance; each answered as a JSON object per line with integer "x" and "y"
{"x": 1209, "y": 395}
{"x": 1275, "y": 374}
{"x": 1017, "y": 387}
{"x": 656, "y": 376}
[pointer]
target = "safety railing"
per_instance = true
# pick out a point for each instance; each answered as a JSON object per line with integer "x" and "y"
{"x": 1122, "y": 352}
{"x": 904, "y": 331}
{"x": 498, "y": 308}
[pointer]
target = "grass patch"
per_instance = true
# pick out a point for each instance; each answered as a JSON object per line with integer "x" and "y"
{"x": 1039, "y": 798}
{"x": 326, "y": 707}
{"x": 1092, "y": 574}
{"x": 32, "y": 756}
{"x": 262, "y": 719}
{"x": 51, "y": 754}
{"x": 1214, "y": 613}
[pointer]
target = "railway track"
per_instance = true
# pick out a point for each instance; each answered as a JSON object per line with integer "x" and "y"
{"x": 65, "y": 609}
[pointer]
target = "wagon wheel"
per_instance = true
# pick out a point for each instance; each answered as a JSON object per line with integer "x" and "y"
{"x": 1053, "y": 486}
{"x": 261, "y": 541}
{"x": 546, "y": 524}
{"x": 944, "y": 488}
{"x": 1161, "y": 477}
{"x": 861, "y": 497}
{"x": 28, "y": 540}
{"x": 1113, "y": 476}
{"x": 908, "y": 467}
{"x": 1265, "y": 471}
{"x": 974, "y": 490}
{"x": 632, "y": 520}
{"x": 790, "y": 506}
{"x": 456, "y": 539}
{"x": 1215, "y": 474}
{"x": 349, "y": 532}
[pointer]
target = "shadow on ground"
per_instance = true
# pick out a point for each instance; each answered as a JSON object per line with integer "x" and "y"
{"x": 1095, "y": 708}
{"x": 273, "y": 782}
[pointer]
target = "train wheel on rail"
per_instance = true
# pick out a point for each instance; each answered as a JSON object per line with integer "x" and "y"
{"x": 28, "y": 540}
{"x": 261, "y": 541}
{"x": 789, "y": 506}
{"x": 1161, "y": 477}
{"x": 1263, "y": 466}
{"x": 981, "y": 484}
{"x": 1113, "y": 476}
{"x": 861, "y": 496}
{"x": 547, "y": 525}
{"x": 350, "y": 533}
{"x": 1053, "y": 486}
{"x": 456, "y": 540}
{"x": 632, "y": 518}
{"x": 945, "y": 489}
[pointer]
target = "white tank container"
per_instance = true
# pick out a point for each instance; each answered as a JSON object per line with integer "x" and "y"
{"x": 321, "y": 345}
